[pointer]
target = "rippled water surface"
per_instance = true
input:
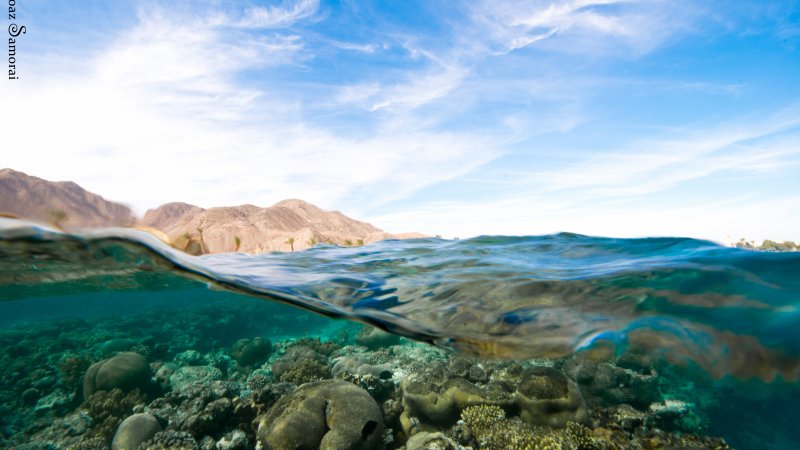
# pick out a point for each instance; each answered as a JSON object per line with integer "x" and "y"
{"x": 728, "y": 315}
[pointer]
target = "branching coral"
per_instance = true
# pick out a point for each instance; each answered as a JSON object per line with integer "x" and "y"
{"x": 493, "y": 431}
{"x": 107, "y": 409}
{"x": 306, "y": 371}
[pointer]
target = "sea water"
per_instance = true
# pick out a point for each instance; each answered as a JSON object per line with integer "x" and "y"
{"x": 665, "y": 338}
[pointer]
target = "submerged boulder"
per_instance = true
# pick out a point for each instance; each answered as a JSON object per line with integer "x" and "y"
{"x": 375, "y": 338}
{"x": 125, "y": 371}
{"x": 248, "y": 353}
{"x": 606, "y": 384}
{"x": 442, "y": 404}
{"x": 545, "y": 396}
{"x": 430, "y": 441}
{"x": 135, "y": 430}
{"x": 300, "y": 364}
{"x": 327, "y": 415}
{"x": 193, "y": 375}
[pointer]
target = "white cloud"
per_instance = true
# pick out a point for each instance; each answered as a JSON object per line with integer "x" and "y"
{"x": 723, "y": 221}
{"x": 657, "y": 165}
{"x": 161, "y": 115}
{"x": 363, "y": 48}
{"x": 285, "y": 15}
{"x": 492, "y": 29}
{"x": 589, "y": 27}
{"x": 611, "y": 194}
{"x": 419, "y": 90}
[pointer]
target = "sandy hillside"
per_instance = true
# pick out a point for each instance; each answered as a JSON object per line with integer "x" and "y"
{"x": 285, "y": 226}
{"x": 62, "y": 202}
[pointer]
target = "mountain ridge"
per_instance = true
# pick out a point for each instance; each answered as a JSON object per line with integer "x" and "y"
{"x": 288, "y": 225}
{"x": 62, "y": 202}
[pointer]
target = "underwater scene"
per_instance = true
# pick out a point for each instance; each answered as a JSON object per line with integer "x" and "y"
{"x": 111, "y": 339}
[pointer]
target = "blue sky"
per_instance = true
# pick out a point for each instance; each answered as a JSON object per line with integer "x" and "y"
{"x": 620, "y": 118}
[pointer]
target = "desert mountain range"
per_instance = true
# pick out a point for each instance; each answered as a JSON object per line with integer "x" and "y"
{"x": 286, "y": 226}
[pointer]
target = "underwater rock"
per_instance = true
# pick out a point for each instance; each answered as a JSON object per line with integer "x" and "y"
{"x": 490, "y": 429}
{"x": 135, "y": 430}
{"x": 606, "y": 384}
{"x": 113, "y": 346}
{"x": 442, "y": 404}
{"x": 248, "y": 353}
{"x": 164, "y": 372}
{"x": 436, "y": 396}
{"x": 30, "y": 395}
{"x": 72, "y": 368}
{"x": 125, "y": 371}
{"x": 190, "y": 375}
{"x": 211, "y": 420}
{"x": 324, "y": 348}
{"x": 374, "y": 338}
{"x": 430, "y": 441}
{"x": 477, "y": 374}
{"x": 58, "y": 402}
{"x": 377, "y": 379}
{"x": 236, "y": 440}
{"x": 293, "y": 356}
{"x": 171, "y": 440}
{"x": 328, "y": 415}
{"x": 301, "y": 364}
{"x": 201, "y": 409}
{"x": 190, "y": 358}
{"x": 627, "y": 417}
{"x": 669, "y": 413}
{"x": 359, "y": 366}
{"x": 257, "y": 380}
{"x": 107, "y": 410}
{"x": 306, "y": 371}
{"x": 546, "y": 396}
{"x": 76, "y": 423}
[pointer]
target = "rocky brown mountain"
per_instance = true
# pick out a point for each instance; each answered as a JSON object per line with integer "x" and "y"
{"x": 62, "y": 202}
{"x": 286, "y": 226}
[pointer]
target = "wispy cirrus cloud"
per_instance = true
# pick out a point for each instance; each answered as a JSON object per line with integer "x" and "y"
{"x": 499, "y": 116}
{"x": 723, "y": 177}
{"x": 194, "y": 130}
{"x": 419, "y": 90}
{"x": 655, "y": 165}
{"x": 583, "y": 26}
{"x": 277, "y": 16}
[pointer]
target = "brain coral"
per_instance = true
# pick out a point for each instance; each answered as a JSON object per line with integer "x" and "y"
{"x": 326, "y": 415}
{"x": 126, "y": 371}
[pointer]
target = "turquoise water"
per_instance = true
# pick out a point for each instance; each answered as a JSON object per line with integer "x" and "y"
{"x": 663, "y": 335}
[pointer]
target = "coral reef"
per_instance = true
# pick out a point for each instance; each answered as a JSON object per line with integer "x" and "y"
{"x": 545, "y": 396}
{"x": 214, "y": 386}
{"x": 191, "y": 375}
{"x": 430, "y": 441}
{"x": 125, "y": 371}
{"x": 306, "y": 371}
{"x": 301, "y": 364}
{"x": 250, "y": 352}
{"x": 375, "y": 338}
{"x": 327, "y": 415}
{"x": 107, "y": 410}
{"x": 606, "y": 384}
{"x": 135, "y": 430}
